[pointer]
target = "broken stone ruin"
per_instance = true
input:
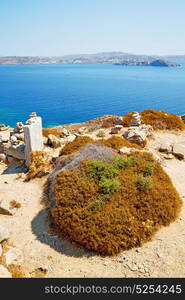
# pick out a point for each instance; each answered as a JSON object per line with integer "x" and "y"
{"x": 138, "y": 132}
{"x": 23, "y": 139}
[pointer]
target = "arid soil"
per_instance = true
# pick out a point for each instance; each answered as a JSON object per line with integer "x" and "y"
{"x": 45, "y": 255}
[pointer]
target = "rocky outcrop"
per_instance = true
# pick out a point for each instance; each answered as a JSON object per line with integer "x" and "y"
{"x": 139, "y": 134}
{"x": 53, "y": 141}
{"x": 179, "y": 150}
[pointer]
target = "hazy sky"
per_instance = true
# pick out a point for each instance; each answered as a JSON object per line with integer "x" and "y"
{"x": 57, "y": 27}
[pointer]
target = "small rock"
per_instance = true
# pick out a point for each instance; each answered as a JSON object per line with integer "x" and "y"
{"x": 4, "y": 273}
{"x": 179, "y": 150}
{"x": 13, "y": 256}
{"x": 114, "y": 130}
{"x": 118, "y": 121}
{"x": 4, "y": 233}
{"x": 2, "y": 157}
{"x": 124, "y": 150}
{"x": 165, "y": 147}
{"x": 6, "y": 209}
{"x": 70, "y": 138}
{"x": 14, "y": 140}
{"x": 82, "y": 130}
{"x": 64, "y": 132}
{"x": 168, "y": 156}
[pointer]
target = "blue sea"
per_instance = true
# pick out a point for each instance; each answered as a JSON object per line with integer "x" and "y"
{"x": 71, "y": 93}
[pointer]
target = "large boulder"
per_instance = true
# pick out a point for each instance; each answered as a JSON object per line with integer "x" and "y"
{"x": 17, "y": 151}
{"x": 118, "y": 121}
{"x": 4, "y": 233}
{"x": 138, "y": 134}
{"x": 179, "y": 150}
{"x": 53, "y": 141}
{"x": 4, "y": 273}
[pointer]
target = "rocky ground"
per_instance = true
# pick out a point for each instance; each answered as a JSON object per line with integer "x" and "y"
{"x": 45, "y": 255}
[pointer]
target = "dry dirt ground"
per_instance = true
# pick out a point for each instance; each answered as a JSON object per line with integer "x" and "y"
{"x": 164, "y": 256}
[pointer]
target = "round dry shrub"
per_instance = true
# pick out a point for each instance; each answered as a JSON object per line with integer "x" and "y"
{"x": 117, "y": 142}
{"x": 119, "y": 217}
{"x": 162, "y": 120}
{"x": 76, "y": 145}
{"x": 127, "y": 119}
{"x": 48, "y": 131}
{"x": 40, "y": 164}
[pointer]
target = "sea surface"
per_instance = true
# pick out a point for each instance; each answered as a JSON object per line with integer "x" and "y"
{"x": 72, "y": 93}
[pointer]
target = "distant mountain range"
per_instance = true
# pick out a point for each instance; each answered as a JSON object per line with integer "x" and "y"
{"x": 117, "y": 58}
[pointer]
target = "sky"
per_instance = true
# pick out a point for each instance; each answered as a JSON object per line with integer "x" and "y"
{"x": 58, "y": 27}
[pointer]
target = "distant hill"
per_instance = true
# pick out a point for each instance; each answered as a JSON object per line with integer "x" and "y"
{"x": 120, "y": 58}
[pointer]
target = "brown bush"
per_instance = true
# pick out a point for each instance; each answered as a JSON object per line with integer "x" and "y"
{"x": 40, "y": 164}
{"x": 54, "y": 131}
{"x": 158, "y": 119}
{"x": 108, "y": 122}
{"x": 127, "y": 119}
{"x": 127, "y": 219}
{"x": 117, "y": 142}
{"x": 76, "y": 145}
{"x": 162, "y": 120}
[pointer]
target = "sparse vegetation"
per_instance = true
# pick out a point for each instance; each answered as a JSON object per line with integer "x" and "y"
{"x": 40, "y": 164}
{"x": 158, "y": 119}
{"x": 76, "y": 145}
{"x": 162, "y": 120}
{"x": 117, "y": 142}
{"x": 142, "y": 182}
{"x": 114, "y": 206}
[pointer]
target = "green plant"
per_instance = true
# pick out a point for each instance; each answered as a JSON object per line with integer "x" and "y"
{"x": 123, "y": 162}
{"x": 98, "y": 170}
{"x": 148, "y": 169}
{"x": 108, "y": 186}
{"x": 143, "y": 183}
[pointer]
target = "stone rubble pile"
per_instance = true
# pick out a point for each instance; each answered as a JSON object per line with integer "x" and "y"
{"x": 138, "y": 132}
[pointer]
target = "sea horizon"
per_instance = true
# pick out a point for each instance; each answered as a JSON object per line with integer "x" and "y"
{"x": 74, "y": 93}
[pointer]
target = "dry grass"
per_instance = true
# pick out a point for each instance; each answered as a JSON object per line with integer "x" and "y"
{"x": 122, "y": 219}
{"x": 117, "y": 142}
{"x": 162, "y": 120}
{"x": 74, "y": 146}
{"x": 108, "y": 122}
{"x": 159, "y": 120}
{"x": 47, "y": 131}
{"x": 40, "y": 165}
